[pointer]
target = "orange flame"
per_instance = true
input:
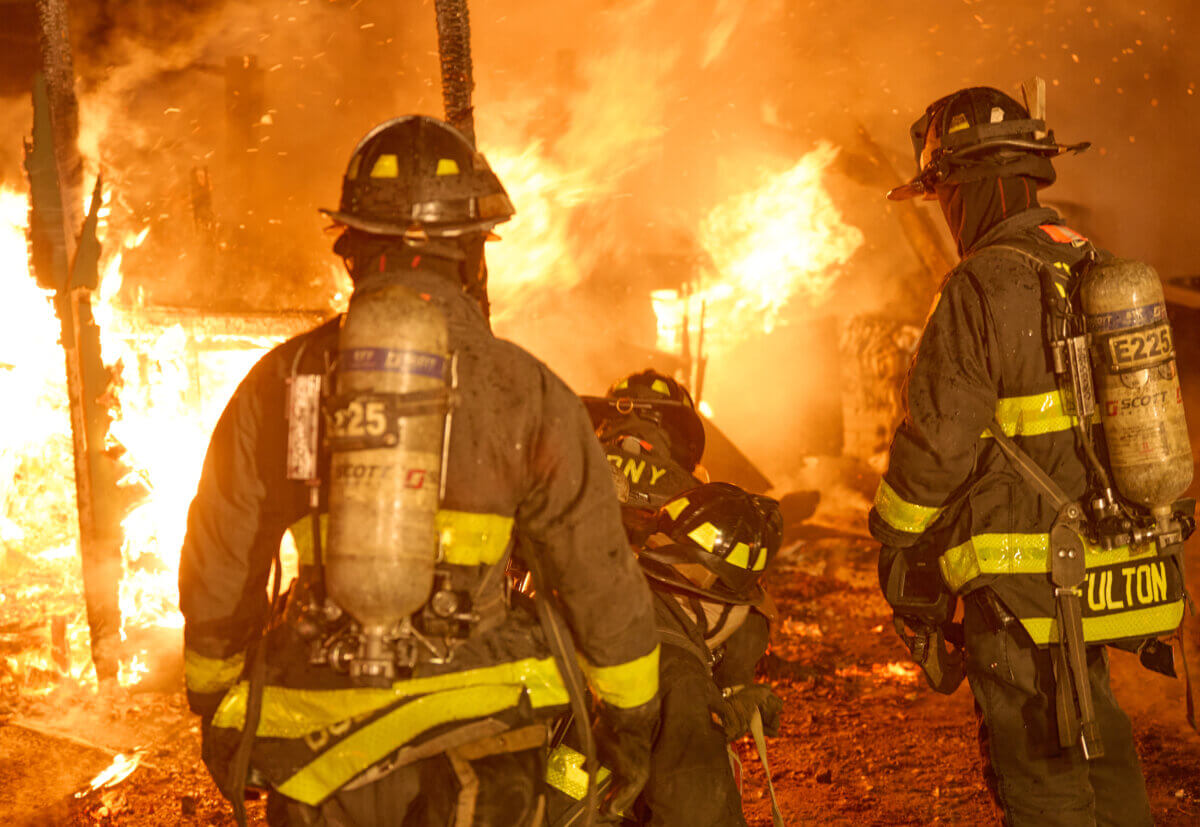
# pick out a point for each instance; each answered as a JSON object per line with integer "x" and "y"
{"x": 121, "y": 768}
{"x": 782, "y": 241}
{"x": 163, "y": 420}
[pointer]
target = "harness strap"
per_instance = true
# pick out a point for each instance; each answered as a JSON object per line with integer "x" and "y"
{"x": 1068, "y": 572}
{"x": 760, "y": 744}
{"x": 239, "y": 766}
{"x": 1032, "y": 472}
{"x": 1187, "y": 678}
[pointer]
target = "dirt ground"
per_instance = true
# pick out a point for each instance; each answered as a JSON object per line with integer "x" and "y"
{"x": 864, "y": 742}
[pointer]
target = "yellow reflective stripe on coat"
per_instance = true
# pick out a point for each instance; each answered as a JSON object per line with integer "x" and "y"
{"x": 294, "y": 713}
{"x": 625, "y": 685}
{"x": 468, "y": 538}
{"x": 204, "y": 674}
{"x": 1020, "y": 554}
{"x": 1033, "y": 415}
{"x": 1148, "y": 622}
{"x": 369, "y": 745}
{"x": 901, "y": 514}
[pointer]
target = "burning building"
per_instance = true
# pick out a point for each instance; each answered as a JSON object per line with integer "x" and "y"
{"x": 698, "y": 188}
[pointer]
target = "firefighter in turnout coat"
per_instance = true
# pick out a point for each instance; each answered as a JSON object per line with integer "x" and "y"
{"x": 450, "y": 722}
{"x": 703, "y": 547}
{"x": 954, "y": 513}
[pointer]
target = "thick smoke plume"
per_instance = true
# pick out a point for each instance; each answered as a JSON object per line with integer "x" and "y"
{"x": 619, "y": 127}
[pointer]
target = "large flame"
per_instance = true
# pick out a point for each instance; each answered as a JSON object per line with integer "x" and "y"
{"x": 170, "y": 385}
{"x": 780, "y": 241}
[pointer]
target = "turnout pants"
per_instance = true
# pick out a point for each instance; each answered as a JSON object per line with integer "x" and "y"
{"x": 426, "y": 794}
{"x": 1032, "y": 779}
{"x": 691, "y": 782}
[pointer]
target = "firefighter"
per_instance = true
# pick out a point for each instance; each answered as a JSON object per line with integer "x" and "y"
{"x": 959, "y": 519}
{"x": 442, "y": 714}
{"x": 704, "y": 563}
{"x": 653, "y": 438}
{"x": 703, "y": 548}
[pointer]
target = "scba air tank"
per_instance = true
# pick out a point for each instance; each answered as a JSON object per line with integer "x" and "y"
{"x": 1137, "y": 383}
{"x": 386, "y": 428}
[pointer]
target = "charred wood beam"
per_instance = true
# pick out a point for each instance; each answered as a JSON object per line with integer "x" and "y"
{"x": 65, "y": 255}
{"x": 454, "y": 50}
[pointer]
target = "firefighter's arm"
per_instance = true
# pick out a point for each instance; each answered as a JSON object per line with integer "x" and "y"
{"x": 950, "y": 397}
{"x": 224, "y": 562}
{"x": 572, "y": 518}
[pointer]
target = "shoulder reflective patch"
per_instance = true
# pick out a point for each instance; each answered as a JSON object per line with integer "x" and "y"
{"x": 625, "y": 685}
{"x": 1062, "y": 234}
{"x": 386, "y": 166}
{"x": 901, "y": 514}
{"x": 447, "y": 166}
{"x": 740, "y": 556}
{"x": 705, "y": 535}
{"x": 675, "y": 507}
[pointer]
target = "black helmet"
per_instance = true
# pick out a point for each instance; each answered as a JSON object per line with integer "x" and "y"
{"x": 419, "y": 177}
{"x": 979, "y": 132}
{"x": 721, "y": 540}
{"x": 653, "y": 395}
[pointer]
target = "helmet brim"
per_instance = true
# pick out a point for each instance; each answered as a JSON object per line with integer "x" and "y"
{"x": 667, "y": 575}
{"x": 905, "y": 192}
{"x": 345, "y": 219}
{"x": 366, "y": 225}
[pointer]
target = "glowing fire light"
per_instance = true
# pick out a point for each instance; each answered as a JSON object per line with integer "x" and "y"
{"x": 121, "y": 768}
{"x": 167, "y": 399}
{"x": 781, "y": 241}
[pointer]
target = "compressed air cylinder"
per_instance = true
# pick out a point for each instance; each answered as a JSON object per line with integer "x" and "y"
{"x": 1137, "y": 383}
{"x": 386, "y": 464}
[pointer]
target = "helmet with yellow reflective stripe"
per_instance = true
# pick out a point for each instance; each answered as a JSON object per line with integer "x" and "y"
{"x": 714, "y": 541}
{"x": 653, "y": 395}
{"x": 421, "y": 177}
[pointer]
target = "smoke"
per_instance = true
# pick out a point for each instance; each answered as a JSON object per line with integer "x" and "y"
{"x": 619, "y": 127}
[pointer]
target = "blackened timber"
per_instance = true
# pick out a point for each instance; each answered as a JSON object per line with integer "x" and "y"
{"x": 56, "y": 181}
{"x": 454, "y": 50}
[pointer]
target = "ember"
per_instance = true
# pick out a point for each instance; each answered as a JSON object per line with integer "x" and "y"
{"x": 698, "y": 189}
